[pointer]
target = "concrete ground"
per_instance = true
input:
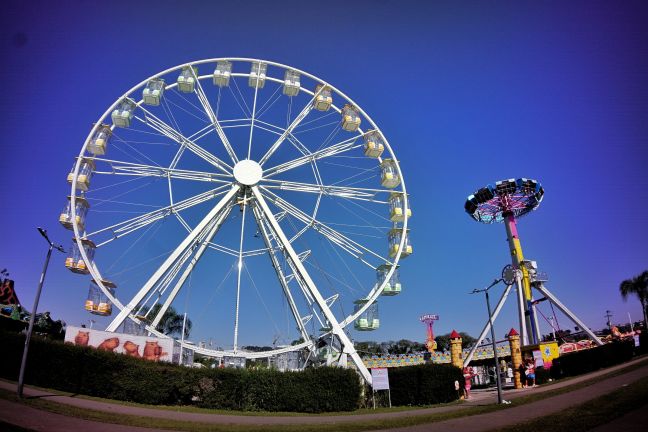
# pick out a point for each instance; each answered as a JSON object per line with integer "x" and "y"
{"x": 37, "y": 420}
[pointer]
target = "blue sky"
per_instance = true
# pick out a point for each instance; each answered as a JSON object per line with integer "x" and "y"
{"x": 467, "y": 94}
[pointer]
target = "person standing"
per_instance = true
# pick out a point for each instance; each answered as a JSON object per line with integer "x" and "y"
{"x": 468, "y": 374}
{"x": 530, "y": 373}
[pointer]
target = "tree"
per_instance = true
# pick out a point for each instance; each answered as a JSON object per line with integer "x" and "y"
{"x": 171, "y": 322}
{"x": 638, "y": 285}
{"x": 443, "y": 341}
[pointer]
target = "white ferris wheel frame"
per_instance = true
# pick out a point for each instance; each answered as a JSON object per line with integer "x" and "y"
{"x": 208, "y": 227}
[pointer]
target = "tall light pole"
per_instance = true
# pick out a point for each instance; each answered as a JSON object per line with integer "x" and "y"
{"x": 492, "y": 330}
{"x": 21, "y": 376}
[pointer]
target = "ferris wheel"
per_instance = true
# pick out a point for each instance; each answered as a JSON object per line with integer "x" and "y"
{"x": 255, "y": 197}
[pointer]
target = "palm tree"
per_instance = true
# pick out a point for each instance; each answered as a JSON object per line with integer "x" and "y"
{"x": 638, "y": 285}
{"x": 171, "y": 322}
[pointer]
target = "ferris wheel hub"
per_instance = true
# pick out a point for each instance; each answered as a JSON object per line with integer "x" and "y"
{"x": 248, "y": 172}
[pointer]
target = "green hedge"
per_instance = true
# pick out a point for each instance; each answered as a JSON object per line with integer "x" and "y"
{"x": 103, "y": 374}
{"x": 592, "y": 359}
{"x": 542, "y": 375}
{"x": 424, "y": 384}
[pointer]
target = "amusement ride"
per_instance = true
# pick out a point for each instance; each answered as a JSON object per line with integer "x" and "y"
{"x": 246, "y": 193}
{"x": 506, "y": 202}
{"x": 428, "y": 320}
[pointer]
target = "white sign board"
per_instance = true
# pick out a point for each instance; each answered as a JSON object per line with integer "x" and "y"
{"x": 380, "y": 378}
{"x": 148, "y": 348}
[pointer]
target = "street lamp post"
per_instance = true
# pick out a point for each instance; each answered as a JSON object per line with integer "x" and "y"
{"x": 492, "y": 330}
{"x": 21, "y": 376}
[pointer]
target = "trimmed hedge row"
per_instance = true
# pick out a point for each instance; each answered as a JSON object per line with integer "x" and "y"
{"x": 426, "y": 384}
{"x": 592, "y": 359}
{"x": 91, "y": 372}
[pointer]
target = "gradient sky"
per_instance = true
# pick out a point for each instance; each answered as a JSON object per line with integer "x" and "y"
{"x": 467, "y": 93}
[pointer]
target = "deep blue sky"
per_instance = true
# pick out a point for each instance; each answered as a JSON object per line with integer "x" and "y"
{"x": 467, "y": 93}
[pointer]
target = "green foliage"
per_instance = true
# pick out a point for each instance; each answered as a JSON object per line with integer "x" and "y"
{"x": 592, "y": 359}
{"x": 368, "y": 348}
{"x": 424, "y": 384}
{"x": 542, "y": 375}
{"x": 171, "y": 323}
{"x": 638, "y": 286}
{"x": 85, "y": 370}
{"x": 443, "y": 341}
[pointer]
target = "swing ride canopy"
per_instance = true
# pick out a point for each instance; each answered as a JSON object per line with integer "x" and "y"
{"x": 508, "y": 197}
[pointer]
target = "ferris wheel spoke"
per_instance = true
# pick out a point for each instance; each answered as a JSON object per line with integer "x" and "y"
{"x": 128, "y": 226}
{"x": 350, "y": 246}
{"x": 265, "y": 233}
{"x": 254, "y": 104}
{"x": 336, "y": 329}
{"x": 155, "y": 123}
{"x": 187, "y": 243}
{"x": 204, "y": 101}
{"x": 142, "y": 170}
{"x": 211, "y": 232}
{"x": 334, "y": 149}
{"x": 301, "y": 116}
{"x": 363, "y": 194}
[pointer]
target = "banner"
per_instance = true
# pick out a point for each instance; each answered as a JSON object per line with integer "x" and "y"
{"x": 148, "y": 348}
{"x": 380, "y": 378}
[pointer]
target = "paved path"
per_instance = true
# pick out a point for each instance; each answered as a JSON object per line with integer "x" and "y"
{"x": 38, "y": 420}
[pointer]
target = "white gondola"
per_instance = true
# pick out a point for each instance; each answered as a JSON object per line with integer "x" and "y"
{"x": 291, "y": 83}
{"x": 389, "y": 174}
{"x": 324, "y": 98}
{"x": 75, "y": 261}
{"x": 258, "y": 75}
{"x": 97, "y": 302}
{"x": 81, "y": 209}
{"x": 222, "y": 73}
{"x": 326, "y": 352}
{"x": 393, "y": 285}
{"x": 374, "y": 144}
{"x": 153, "y": 92}
{"x": 121, "y": 117}
{"x": 350, "y": 118}
{"x": 187, "y": 80}
{"x": 368, "y": 320}
{"x": 397, "y": 207}
{"x": 99, "y": 142}
{"x": 85, "y": 174}
{"x": 394, "y": 237}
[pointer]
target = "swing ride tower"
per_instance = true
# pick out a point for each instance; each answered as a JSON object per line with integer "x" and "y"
{"x": 506, "y": 202}
{"x": 428, "y": 320}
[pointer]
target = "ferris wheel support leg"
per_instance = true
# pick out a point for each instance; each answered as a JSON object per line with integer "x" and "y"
{"x": 336, "y": 329}
{"x": 175, "y": 255}
{"x": 540, "y": 287}
{"x": 517, "y": 257}
{"x": 192, "y": 263}
{"x": 482, "y": 335}
{"x": 281, "y": 276}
